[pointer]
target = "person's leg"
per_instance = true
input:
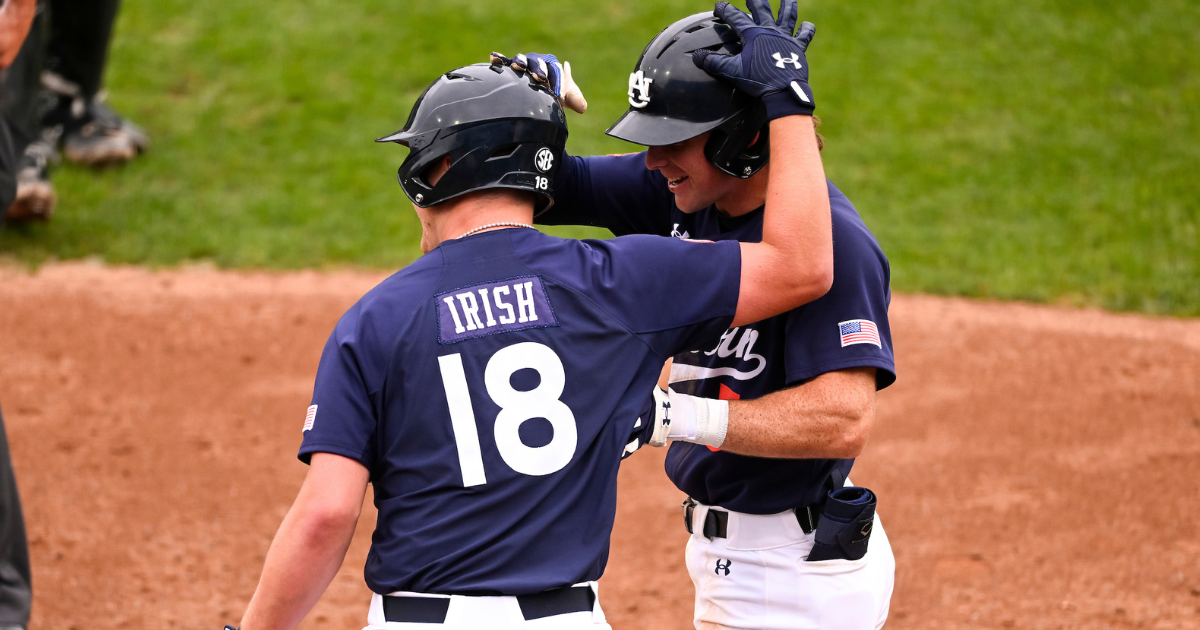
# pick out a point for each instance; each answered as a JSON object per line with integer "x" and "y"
{"x": 19, "y": 87}
{"x": 15, "y": 591}
{"x": 76, "y": 56}
{"x": 80, "y": 31}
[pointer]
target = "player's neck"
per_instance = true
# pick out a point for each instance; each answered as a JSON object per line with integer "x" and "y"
{"x": 745, "y": 195}
{"x": 455, "y": 218}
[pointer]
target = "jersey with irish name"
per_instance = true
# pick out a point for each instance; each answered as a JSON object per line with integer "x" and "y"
{"x": 847, "y": 328}
{"x": 491, "y": 388}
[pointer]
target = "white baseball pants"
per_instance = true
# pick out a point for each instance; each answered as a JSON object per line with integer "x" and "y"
{"x": 757, "y": 577}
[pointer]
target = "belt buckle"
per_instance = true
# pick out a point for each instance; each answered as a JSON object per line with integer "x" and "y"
{"x": 689, "y": 508}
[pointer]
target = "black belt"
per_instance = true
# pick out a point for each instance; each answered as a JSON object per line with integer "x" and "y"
{"x": 560, "y": 601}
{"x": 716, "y": 522}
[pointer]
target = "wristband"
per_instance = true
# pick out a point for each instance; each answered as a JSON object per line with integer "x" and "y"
{"x": 698, "y": 420}
{"x": 788, "y": 103}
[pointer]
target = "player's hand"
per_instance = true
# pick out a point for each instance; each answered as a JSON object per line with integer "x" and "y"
{"x": 772, "y": 65}
{"x": 662, "y": 418}
{"x": 546, "y": 69}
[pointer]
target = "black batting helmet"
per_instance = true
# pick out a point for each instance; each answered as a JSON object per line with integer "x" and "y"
{"x": 499, "y": 128}
{"x": 671, "y": 100}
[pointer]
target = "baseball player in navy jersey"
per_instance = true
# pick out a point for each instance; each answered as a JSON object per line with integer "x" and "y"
{"x": 777, "y": 539}
{"x": 489, "y": 390}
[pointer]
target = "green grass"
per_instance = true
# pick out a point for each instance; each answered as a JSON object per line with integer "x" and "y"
{"x": 1036, "y": 150}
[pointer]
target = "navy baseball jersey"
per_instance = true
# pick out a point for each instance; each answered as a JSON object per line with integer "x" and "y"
{"x": 491, "y": 388}
{"x": 846, "y": 328}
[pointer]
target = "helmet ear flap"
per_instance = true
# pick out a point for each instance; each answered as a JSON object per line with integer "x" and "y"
{"x": 741, "y": 145}
{"x": 413, "y": 177}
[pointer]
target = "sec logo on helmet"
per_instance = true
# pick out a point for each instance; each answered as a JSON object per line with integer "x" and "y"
{"x": 544, "y": 160}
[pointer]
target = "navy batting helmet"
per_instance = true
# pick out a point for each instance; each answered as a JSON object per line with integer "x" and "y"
{"x": 499, "y": 128}
{"x": 671, "y": 100}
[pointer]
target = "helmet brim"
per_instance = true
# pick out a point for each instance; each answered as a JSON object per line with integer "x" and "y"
{"x": 400, "y": 137}
{"x": 657, "y": 131}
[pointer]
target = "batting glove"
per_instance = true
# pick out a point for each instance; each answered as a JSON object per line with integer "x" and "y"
{"x": 689, "y": 419}
{"x": 772, "y": 65}
{"x": 547, "y": 70}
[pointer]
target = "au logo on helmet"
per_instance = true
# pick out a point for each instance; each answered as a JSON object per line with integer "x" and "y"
{"x": 639, "y": 83}
{"x": 544, "y": 160}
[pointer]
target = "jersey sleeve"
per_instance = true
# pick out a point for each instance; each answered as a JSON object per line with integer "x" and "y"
{"x": 342, "y": 418}
{"x": 848, "y": 326}
{"x": 675, "y": 294}
{"x": 616, "y": 192}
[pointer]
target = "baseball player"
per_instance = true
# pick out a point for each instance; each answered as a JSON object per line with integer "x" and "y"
{"x": 783, "y": 405}
{"x": 489, "y": 389}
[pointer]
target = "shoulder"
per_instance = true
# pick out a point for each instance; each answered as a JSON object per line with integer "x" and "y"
{"x": 624, "y": 268}
{"x": 853, "y": 241}
{"x": 404, "y": 290}
{"x": 648, "y": 254}
{"x": 848, "y": 326}
{"x": 555, "y": 256}
{"x": 391, "y": 304}
{"x": 861, "y": 271}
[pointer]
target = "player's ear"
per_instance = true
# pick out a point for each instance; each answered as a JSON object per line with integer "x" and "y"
{"x": 436, "y": 170}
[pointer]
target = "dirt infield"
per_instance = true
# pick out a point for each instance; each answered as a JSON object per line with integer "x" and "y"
{"x": 1037, "y": 467}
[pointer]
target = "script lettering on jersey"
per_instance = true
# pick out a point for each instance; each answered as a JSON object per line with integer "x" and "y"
{"x": 493, "y": 308}
{"x": 752, "y": 364}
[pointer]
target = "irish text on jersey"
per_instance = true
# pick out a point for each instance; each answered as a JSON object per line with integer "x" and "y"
{"x": 493, "y": 308}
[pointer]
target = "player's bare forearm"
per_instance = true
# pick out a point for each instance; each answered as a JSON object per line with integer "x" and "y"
{"x": 310, "y": 545}
{"x": 829, "y": 417}
{"x": 15, "y": 18}
{"x": 793, "y": 265}
{"x": 797, "y": 222}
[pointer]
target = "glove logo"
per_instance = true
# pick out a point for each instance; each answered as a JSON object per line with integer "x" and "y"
{"x": 723, "y": 567}
{"x": 544, "y": 160}
{"x": 780, "y": 61}
{"x": 639, "y": 83}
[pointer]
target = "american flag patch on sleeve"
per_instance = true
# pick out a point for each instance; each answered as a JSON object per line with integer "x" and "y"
{"x": 310, "y": 418}
{"x": 859, "y": 331}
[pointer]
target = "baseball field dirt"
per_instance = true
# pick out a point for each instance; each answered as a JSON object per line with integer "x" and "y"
{"x": 1037, "y": 467}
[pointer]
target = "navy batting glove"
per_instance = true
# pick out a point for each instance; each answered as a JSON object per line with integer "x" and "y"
{"x": 543, "y": 68}
{"x": 772, "y": 65}
{"x": 547, "y": 70}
